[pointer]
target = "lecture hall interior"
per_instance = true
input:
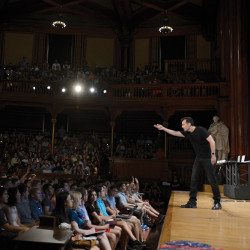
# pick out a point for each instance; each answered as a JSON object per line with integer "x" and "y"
{"x": 108, "y": 70}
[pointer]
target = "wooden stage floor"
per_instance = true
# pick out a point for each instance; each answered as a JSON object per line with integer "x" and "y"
{"x": 228, "y": 229}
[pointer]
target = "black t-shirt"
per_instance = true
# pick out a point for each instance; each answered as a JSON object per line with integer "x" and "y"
{"x": 198, "y": 139}
{"x": 90, "y": 209}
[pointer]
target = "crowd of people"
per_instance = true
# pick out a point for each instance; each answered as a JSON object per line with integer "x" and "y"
{"x": 80, "y": 154}
{"x": 139, "y": 149}
{"x": 75, "y": 153}
{"x": 64, "y": 73}
{"x": 83, "y": 206}
{"x": 87, "y": 204}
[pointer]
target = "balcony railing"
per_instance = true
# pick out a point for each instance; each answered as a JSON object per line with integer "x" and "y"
{"x": 122, "y": 91}
{"x": 192, "y": 65}
{"x": 166, "y": 91}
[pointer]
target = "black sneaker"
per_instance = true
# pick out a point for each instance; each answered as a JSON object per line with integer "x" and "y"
{"x": 189, "y": 205}
{"x": 161, "y": 219}
{"x": 217, "y": 206}
{"x": 137, "y": 244}
{"x": 147, "y": 221}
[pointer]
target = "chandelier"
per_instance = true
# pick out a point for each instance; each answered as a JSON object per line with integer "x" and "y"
{"x": 165, "y": 28}
{"x": 59, "y": 23}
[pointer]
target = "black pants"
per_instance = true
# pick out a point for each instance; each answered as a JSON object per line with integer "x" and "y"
{"x": 199, "y": 165}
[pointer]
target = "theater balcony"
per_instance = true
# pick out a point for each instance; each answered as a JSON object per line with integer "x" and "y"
{"x": 183, "y": 96}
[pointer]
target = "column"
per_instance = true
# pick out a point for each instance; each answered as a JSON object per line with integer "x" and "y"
{"x": 112, "y": 124}
{"x": 53, "y": 120}
{"x": 43, "y": 128}
{"x": 239, "y": 88}
{"x": 233, "y": 31}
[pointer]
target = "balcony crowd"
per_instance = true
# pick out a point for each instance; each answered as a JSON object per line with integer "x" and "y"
{"x": 64, "y": 73}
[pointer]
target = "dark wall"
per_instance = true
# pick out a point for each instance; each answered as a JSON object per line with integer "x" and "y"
{"x": 60, "y": 48}
{"x": 173, "y": 47}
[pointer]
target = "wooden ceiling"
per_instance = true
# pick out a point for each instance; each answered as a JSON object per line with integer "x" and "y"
{"x": 115, "y": 14}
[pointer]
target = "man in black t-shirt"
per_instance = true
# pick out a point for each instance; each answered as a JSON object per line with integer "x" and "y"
{"x": 204, "y": 147}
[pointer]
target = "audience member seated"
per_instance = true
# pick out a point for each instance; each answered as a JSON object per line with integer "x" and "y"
{"x": 47, "y": 205}
{"x": 35, "y": 205}
{"x": 7, "y": 231}
{"x": 65, "y": 213}
{"x": 58, "y": 188}
{"x": 133, "y": 190}
{"x": 23, "y": 207}
{"x": 176, "y": 182}
{"x": 124, "y": 204}
{"x": 10, "y": 209}
{"x": 108, "y": 211}
{"x": 140, "y": 210}
{"x": 47, "y": 169}
{"x": 112, "y": 209}
{"x": 98, "y": 219}
{"x": 101, "y": 213}
{"x": 56, "y": 66}
{"x": 58, "y": 169}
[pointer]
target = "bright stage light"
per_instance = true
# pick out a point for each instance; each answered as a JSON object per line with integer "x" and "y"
{"x": 78, "y": 88}
{"x": 92, "y": 90}
{"x": 63, "y": 90}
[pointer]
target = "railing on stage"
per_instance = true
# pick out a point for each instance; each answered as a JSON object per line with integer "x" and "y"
{"x": 237, "y": 179}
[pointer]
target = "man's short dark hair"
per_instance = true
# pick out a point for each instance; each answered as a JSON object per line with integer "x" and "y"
{"x": 119, "y": 184}
{"x": 188, "y": 120}
{"x": 98, "y": 189}
{"x": 112, "y": 187}
{"x": 33, "y": 191}
{"x": 46, "y": 187}
{"x": 22, "y": 188}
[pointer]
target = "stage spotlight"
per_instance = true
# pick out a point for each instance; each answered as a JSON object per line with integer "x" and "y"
{"x": 48, "y": 87}
{"x": 63, "y": 90}
{"x": 104, "y": 91}
{"x": 34, "y": 88}
{"x": 78, "y": 88}
{"x": 92, "y": 90}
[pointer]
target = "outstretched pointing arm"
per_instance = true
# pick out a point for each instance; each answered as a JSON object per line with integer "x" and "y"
{"x": 169, "y": 131}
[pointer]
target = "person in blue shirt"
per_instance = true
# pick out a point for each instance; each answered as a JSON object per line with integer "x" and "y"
{"x": 76, "y": 222}
{"x": 64, "y": 212}
{"x": 35, "y": 205}
{"x": 120, "y": 223}
{"x": 98, "y": 218}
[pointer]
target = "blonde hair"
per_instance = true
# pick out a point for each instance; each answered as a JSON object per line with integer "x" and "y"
{"x": 76, "y": 197}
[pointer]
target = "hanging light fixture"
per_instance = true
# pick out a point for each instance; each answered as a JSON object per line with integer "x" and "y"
{"x": 59, "y": 23}
{"x": 165, "y": 28}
